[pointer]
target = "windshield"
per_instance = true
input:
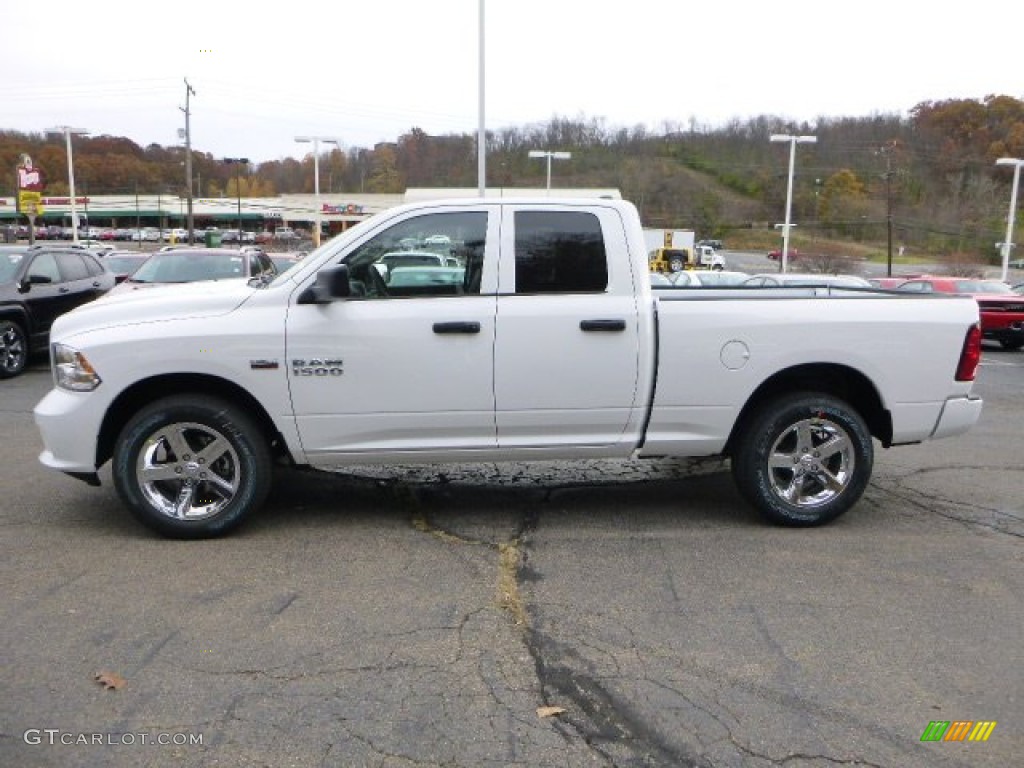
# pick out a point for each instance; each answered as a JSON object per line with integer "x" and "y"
{"x": 123, "y": 264}
{"x": 9, "y": 263}
{"x": 190, "y": 266}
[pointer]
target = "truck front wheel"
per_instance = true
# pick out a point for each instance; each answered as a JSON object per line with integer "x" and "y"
{"x": 804, "y": 459}
{"x": 191, "y": 467}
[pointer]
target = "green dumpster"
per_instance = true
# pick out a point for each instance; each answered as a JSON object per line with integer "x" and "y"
{"x": 212, "y": 238}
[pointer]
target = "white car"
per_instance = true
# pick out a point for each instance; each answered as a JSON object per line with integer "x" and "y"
{"x": 804, "y": 280}
{"x": 176, "y": 235}
{"x": 190, "y": 265}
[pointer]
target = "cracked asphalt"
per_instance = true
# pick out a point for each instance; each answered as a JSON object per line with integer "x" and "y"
{"x": 420, "y": 616}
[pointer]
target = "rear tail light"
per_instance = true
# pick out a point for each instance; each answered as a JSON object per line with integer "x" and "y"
{"x": 970, "y": 355}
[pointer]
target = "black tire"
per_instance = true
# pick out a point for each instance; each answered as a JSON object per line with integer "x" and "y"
{"x": 676, "y": 265}
{"x": 803, "y": 459}
{"x": 13, "y": 349}
{"x": 1012, "y": 344}
{"x": 191, "y": 466}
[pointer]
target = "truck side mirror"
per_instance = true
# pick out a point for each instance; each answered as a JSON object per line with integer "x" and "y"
{"x": 331, "y": 283}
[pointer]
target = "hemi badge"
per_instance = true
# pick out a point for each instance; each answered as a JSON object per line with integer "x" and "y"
{"x": 263, "y": 365}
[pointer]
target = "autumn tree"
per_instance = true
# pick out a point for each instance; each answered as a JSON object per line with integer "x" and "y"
{"x": 842, "y": 202}
{"x": 384, "y": 175}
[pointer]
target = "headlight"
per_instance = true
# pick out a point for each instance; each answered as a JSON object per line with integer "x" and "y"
{"x": 72, "y": 371}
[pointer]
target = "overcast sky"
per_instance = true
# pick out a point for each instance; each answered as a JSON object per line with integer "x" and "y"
{"x": 369, "y": 71}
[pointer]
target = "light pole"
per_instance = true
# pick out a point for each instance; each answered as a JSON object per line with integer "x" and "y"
{"x": 1008, "y": 242}
{"x": 238, "y": 162}
{"x": 67, "y": 130}
{"x": 316, "y": 178}
{"x": 481, "y": 132}
{"x": 191, "y": 225}
{"x": 793, "y": 141}
{"x": 550, "y": 156}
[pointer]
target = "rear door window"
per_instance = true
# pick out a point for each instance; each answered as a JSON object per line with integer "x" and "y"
{"x": 559, "y": 252}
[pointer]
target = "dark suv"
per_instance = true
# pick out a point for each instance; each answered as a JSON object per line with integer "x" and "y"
{"x": 36, "y": 286}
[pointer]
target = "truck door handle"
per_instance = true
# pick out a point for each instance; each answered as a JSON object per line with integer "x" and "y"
{"x": 456, "y": 327}
{"x": 603, "y": 325}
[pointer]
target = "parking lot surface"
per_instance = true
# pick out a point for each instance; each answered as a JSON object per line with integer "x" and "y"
{"x": 593, "y": 614}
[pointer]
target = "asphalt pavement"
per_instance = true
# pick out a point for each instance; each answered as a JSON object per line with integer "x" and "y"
{"x": 593, "y": 614}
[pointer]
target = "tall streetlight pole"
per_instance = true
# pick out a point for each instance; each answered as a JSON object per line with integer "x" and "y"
{"x": 481, "y": 134}
{"x": 793, "y": 141}
{"x": 238, "y": 162}
{"x": 316, "y": 179}
{"x": 1008, "y": 241}
{"x": 189, "y": 91}
{"x": 67, "y": 130}
{"x": 550, "y": 156}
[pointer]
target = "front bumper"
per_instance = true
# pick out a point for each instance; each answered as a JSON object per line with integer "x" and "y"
{"x": 69, "y": 424}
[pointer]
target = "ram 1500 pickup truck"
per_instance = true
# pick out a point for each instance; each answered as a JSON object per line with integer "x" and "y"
{"x": 542, "y": 339}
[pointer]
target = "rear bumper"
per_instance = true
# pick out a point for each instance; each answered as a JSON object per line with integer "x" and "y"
{"x": 958, "y": 415}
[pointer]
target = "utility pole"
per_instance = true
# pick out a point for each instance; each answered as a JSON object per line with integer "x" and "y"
{"x": 189, "y": 91}
{"x": 887, "y": 151}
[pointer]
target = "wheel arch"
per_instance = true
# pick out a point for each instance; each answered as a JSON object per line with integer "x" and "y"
{"x": 17, "y": 314}
{"x": 834, "y": 379}
{"x": 146, "y": 391}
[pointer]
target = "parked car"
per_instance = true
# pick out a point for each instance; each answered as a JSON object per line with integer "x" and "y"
{"x": 889, "y": 283}
{"x": 721, "y": 278}
{"x": 123, "y": 263}
{"x": 36, "y": 286}
{"x": 394, "y": 259}
{"x": 189, "y": 265}
{"x": 425, "y": 281}
{"x": 792, "y": 253}
{"x": 805, "y": 280}
{"x": 176, "y": 235}
{"x": 1002, "y": 310}
{"x": 686, "y": 278}
{"x": 284, "y": 261}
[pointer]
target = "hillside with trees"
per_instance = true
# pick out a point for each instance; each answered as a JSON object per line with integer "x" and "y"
{"x": 932, "y": 173}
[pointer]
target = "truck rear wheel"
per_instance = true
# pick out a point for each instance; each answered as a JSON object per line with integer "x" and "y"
{"x": 804, "y": 459}
{"x": 191, "y": 466}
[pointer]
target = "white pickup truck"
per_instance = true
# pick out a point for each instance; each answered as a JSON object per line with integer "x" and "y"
{"x": 543, "y": 340}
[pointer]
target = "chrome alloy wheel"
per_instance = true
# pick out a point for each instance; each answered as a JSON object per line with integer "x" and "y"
{"x": 188, "y": 471}
{"x": 811, "y": 463}
{"x": 12, "y": 349}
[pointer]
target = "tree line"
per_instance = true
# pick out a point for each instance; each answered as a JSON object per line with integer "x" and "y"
{"x": 929, "y": 177}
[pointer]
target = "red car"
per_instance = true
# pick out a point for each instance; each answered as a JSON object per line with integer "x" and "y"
{"x": 775, "y": 255}
{"x": 1002, "y": 310}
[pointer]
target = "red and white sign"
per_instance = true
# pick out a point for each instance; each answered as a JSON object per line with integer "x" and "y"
{"x": 30, "y": 178}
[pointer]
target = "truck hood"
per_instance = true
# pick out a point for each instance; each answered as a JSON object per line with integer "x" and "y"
{"x": 161, "y": 303}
